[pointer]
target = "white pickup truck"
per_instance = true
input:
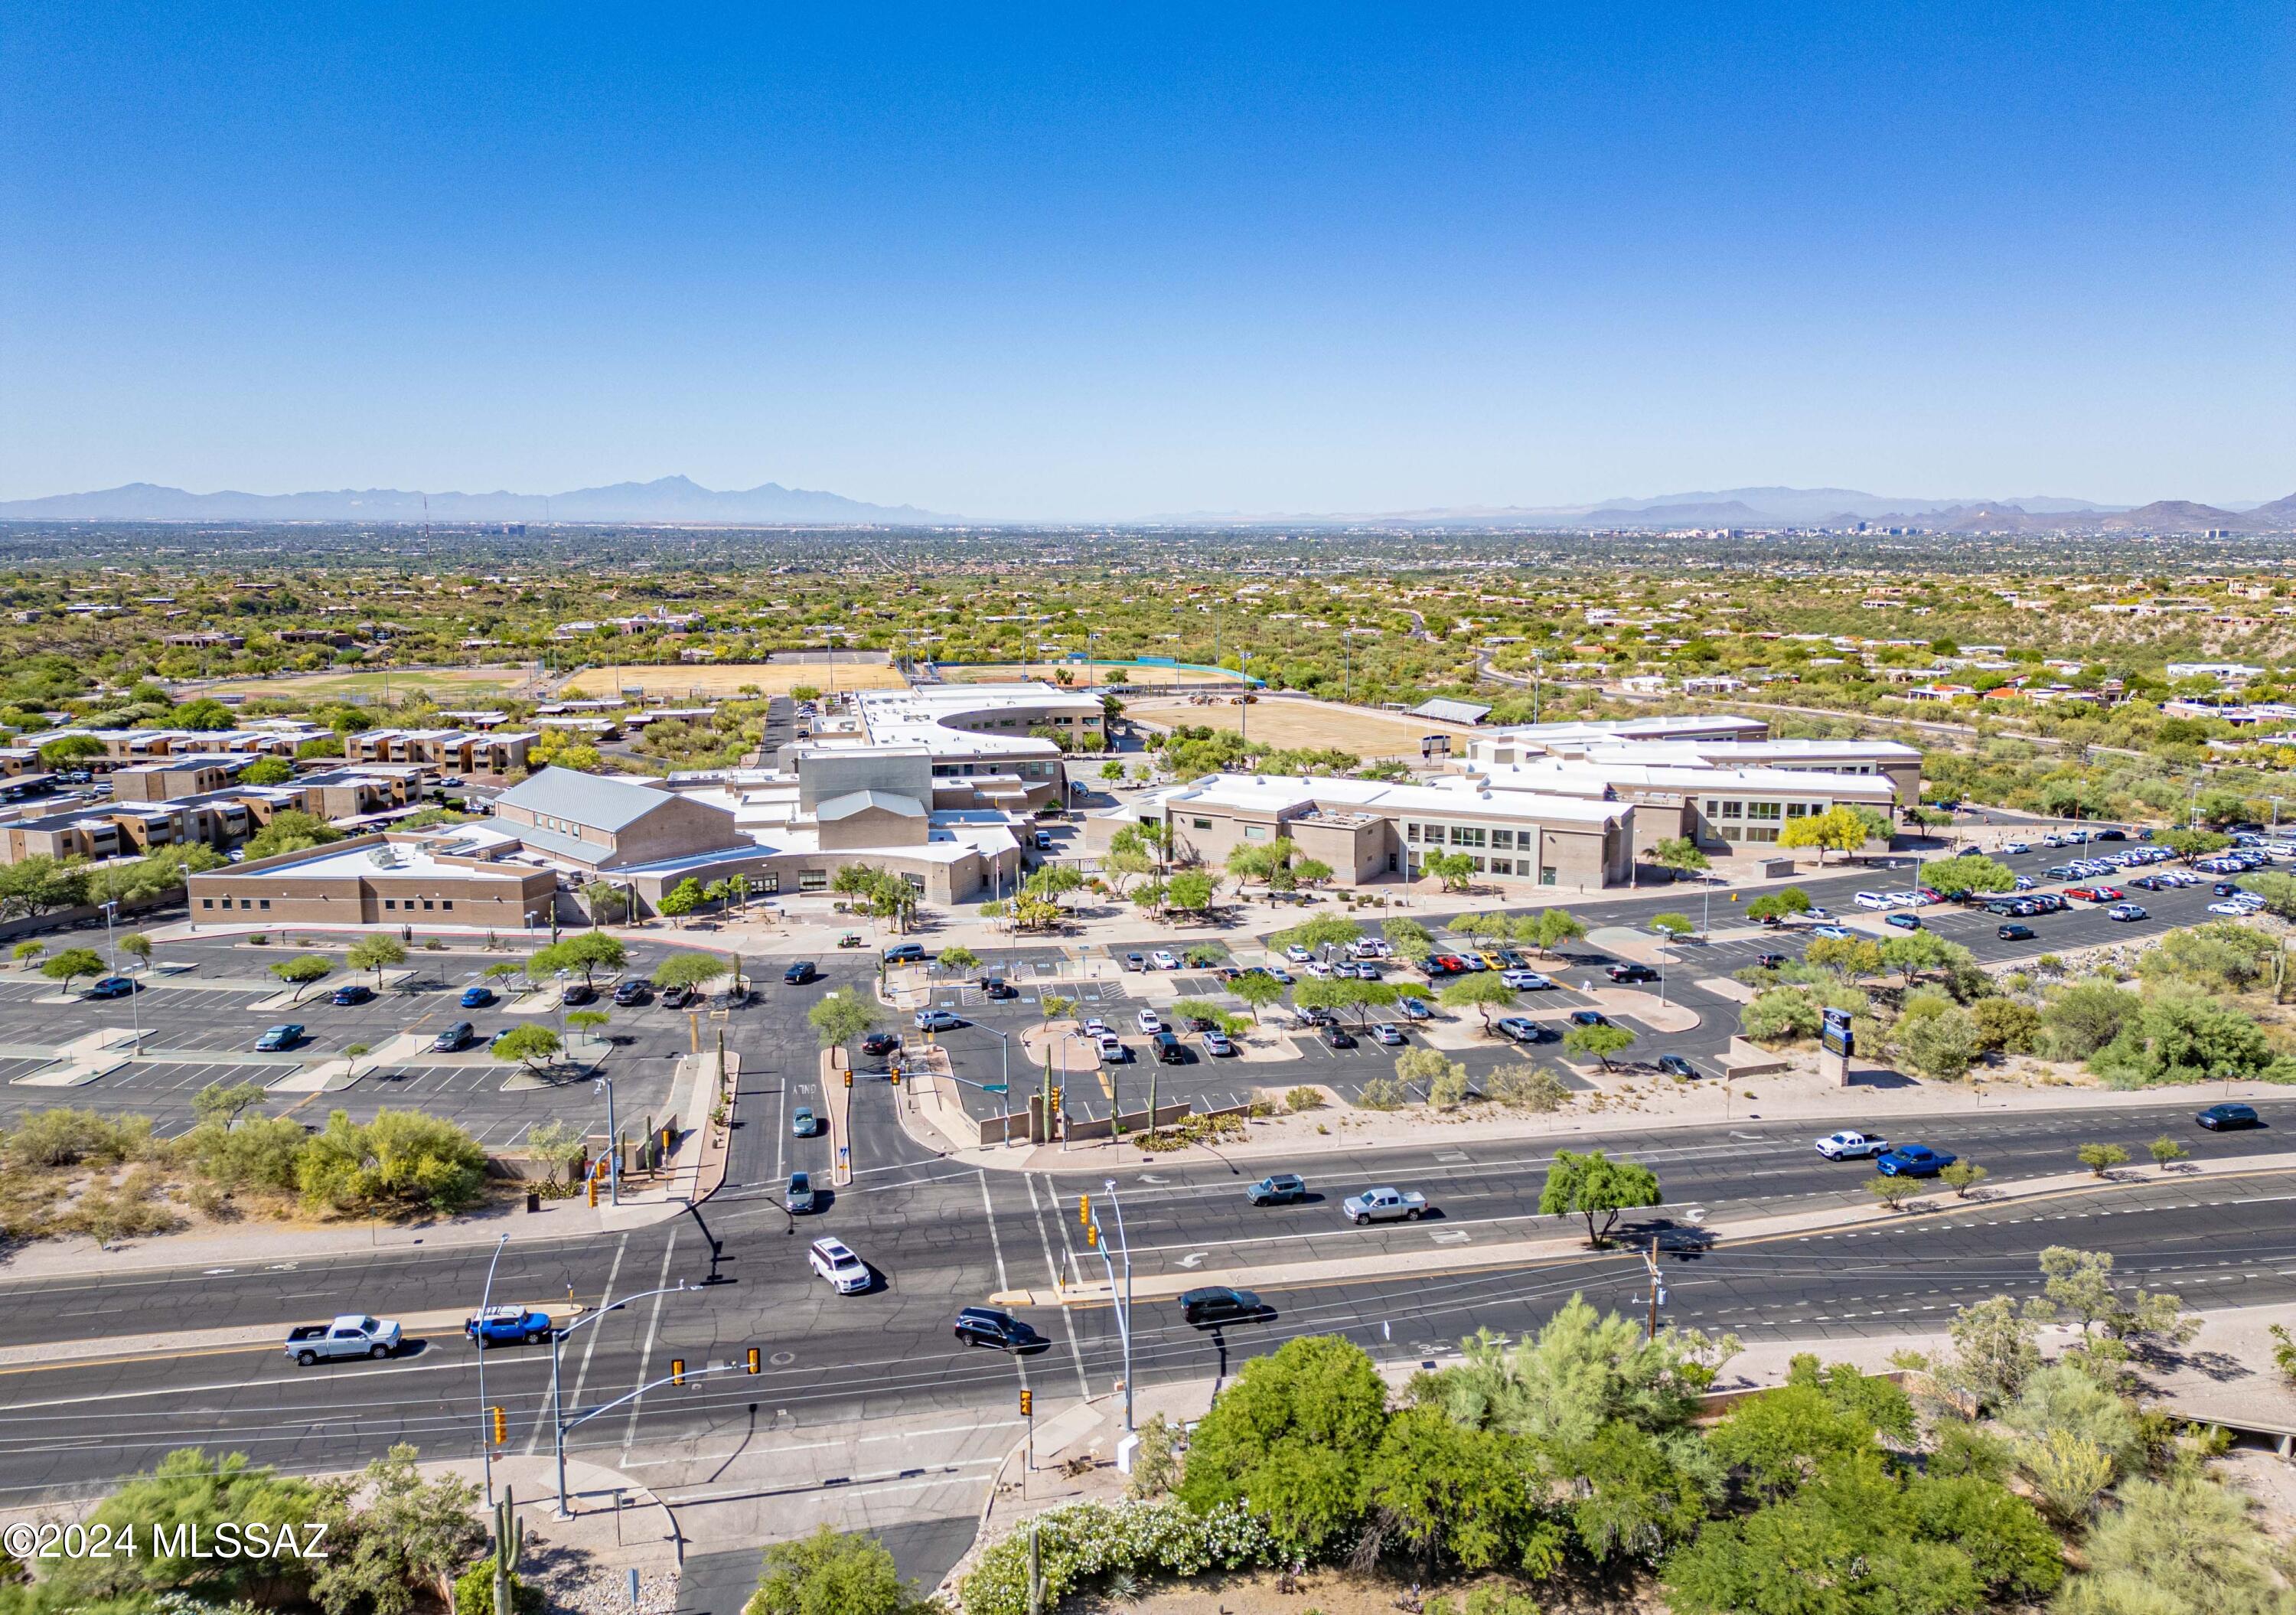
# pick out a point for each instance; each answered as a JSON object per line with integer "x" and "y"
{"x": 1852, "y": 1146}
{"x": 351, "y": 1335}
{"x": 1384, "y": 1206}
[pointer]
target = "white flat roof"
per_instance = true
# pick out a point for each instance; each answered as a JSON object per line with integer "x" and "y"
{"x": 921, "y": 718}
{"x": 1592, "y": 779}
{"x": 1275, "y": 793}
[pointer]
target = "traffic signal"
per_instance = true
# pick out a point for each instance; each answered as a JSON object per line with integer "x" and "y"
{"x": 894, "y": 1073}
{"x": 1025, "y": 1405}
{"x": 1084, "y": 1209}
{"x": 849, "y": 1078}
{"x": 1092, "y": 1236}
{"x": 677, "y": 1371}
{"x": 498, "y": 1426}
{"x": 593, "y": 1190}
{"x": 755, "y": 1365}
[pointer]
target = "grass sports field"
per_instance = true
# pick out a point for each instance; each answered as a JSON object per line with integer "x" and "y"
{"x": 1084, "y": 676}
{"x": 715, "y": 680}
{"x": 447, "y": 685}
{"x": 1302, "y": 724}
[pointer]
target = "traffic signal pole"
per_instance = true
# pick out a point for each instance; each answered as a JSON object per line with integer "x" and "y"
{"x": 560, "y": 1423}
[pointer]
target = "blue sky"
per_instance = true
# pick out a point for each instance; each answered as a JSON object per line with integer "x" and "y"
{"x": 1111, "y": 262}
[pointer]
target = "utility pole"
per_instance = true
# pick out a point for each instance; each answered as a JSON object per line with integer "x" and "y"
{"x": 1657, "y": 1289}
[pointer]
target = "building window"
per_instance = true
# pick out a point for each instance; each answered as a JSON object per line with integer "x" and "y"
{"x": 1761, "y": 833}
{"x": 1734, "y": 810}
{"x": 264, "y": 903}
{"x": 1467, "y": 835}
{"x": 1501, "y": 838}
{"x": 446, "y": 903}
{"x": 1547, "y": 874}
{"x": 812, "y": 879}
{"x": 1255, "y": 833}
{"x": 769, "y": 883}
{"x": 1200, "y": 824}
{"x": 226, "y": 902}
{"x": 1801, "y": 810}
{"x": 390, "y": 903}
{"x": 1764, "y": 810}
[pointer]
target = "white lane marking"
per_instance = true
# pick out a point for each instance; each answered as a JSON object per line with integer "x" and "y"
{"x": 645, "y": 1356}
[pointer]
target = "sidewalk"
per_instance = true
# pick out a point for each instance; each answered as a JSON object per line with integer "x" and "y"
{"x": 1467, "y": 1256}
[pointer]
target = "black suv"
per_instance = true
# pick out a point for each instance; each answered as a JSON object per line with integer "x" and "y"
{"x": 980, "y": 1326}
{"x": 1220, "y": 1304}
{"x": 996, "y": 986}
{"x": 577, "y": 992}
{"x": 2219, "y": 1117}
{"x": 799, "y": 973}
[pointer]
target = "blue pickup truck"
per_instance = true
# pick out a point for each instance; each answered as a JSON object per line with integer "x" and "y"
{"x": 508, "y": 1326}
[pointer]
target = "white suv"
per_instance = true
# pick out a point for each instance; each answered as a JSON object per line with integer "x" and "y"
{"x": 834, "y": 1260}
{"x": 1149, "y": 1021}
{"x": 1872, "y": 899}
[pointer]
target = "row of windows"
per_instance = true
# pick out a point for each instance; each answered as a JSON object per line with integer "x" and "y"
{"x": 443, "y": 905}
{"x": 1760, "y": 812}
{"x": 1520, "y": 867}
{"x": 1468, "y": 835}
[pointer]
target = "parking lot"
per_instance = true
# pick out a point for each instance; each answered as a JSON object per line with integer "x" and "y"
{"x": 207, "y": 1002}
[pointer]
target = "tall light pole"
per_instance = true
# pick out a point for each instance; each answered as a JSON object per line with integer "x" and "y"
{"x": 135, "y": 1013}
{"x": 486, "y": 1446}
{"x": 1119, "y": 1295}
{"x": 557, "y": 1400}
{"x": 613, "y": 1149}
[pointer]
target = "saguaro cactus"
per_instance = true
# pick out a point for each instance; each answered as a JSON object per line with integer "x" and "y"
{"x": 510, "y": 1537}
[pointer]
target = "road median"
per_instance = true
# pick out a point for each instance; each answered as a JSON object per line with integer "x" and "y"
{"x": 1461, "y": 1253}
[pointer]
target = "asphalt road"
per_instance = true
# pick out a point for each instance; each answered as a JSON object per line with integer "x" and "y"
{"x": 941, "y": 1236}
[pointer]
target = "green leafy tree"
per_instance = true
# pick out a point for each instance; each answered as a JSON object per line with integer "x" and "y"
{"x": 2101, "y": 1157}
{"x": 1896, "y": 1193}
{"x": 531, "y": 1046}
{"x": 137, "y": 946}
{"x": 1482, "y": 992}
{"x": 1257, "y": 991}
{"x": 589, "y": 952}
{"x": 2166, "y": 1152}
{"x": 1941, "y": 1046}
{"x": 2278, "y": 892}
{"x": 1680, "y": 856}
{"x": 38, "y": 884}
{"x": 1454, "y": 870}
{"x": 839, "y": 1017}
{"x": 303, "y": 968}
{"x": 291, "y": 830}
{"x": 1962, "y": 1176}
{"x": 1605, "y": 1040}
{"x": 70, "y": 965}
{"x": 1970, "y": 872}
{"x": 1295, "y": 1436}
{"x": 1581, "y": 1372}
{"x": 1848, "y": 957}
{"x": 1672, "y": 926}
{"x": 2190, "y": 844}
{"x": 28, "y": 952}
{"x": 400, "y": 1164}
{"x": 2183, "y": 1037}
{"x": 1781, "y": 904}
{"x": 267, "y": 771}
{"x": 377, "y": 953}
{"x": 1325, "y": 931}
{"x": 412, "y": 1535}
{"x": 680, "y": 900}
{"x": 689, "y": 970}
{"x": 1593, "y": 1185}
{"x": 831, "y": 1574}
{"x": 222, "y": 1105}
{"x": 1189, "y": 891}
{"x": 1780, "y": 1015}
{"x": 2085, "y": 1016}
{"x": 2007, "y": 1025}
{"x": 1557, "y": 926}
{"x": 1410, "y": 941}
{"x": 67, "y": 752}
{"x": 1453, "y": 1493}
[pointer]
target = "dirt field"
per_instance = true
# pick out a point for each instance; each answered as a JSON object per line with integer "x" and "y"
{"x": 1085, "y": 675}
{"x": 445, "y": 684}
{"x": 1304, "y": 724}
{"x": 726, "y": 678}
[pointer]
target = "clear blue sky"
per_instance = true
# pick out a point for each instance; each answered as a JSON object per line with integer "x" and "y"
{"x": 1109, "y": 261}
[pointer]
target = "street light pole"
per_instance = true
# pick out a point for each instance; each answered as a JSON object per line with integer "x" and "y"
{"x": 486, "y": 1446}
{"x": 613, "y": 1149}
{"x": 1124, "y": 1299}
{"x": 557, "y": 1404}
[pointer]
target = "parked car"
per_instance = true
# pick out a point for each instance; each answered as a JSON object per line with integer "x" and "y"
{"x": 1525, "y": 981}
{"x": 1219, "y": 1043}
{"x": 629, "y": 993}
{"x": 1384, "y": 1205}
{"x": 284, "y": 1036}
{"x": 1872, "y": 899}
{"x": 1769, "y": 961}
{"x": 1169, "y": 1050}
{"x": 1829, "y": 931}
{"x": 452, "y": 1037}
{"x": 2125, "y": 911}
{"x": 347, "y": 995}
{"x": 800, "y": 972}
{"x": 803, "y": 1122}
{"x": 1281, "y": 1189}
{"x": 1674, "y": 1065}
{"x": 834, "y": 1260}
{"x": 1164, "y": 959}
{"x": 937, "y": 1020}
{"x": 1587, "y": 1016}
{"x": 1913, "y": 1160}
{"x": 904, "y": 953}
{"x": 1135, "y": 961}
{"x": 477, "y": 997}
{"x": 1903, "y": 921}
{"x": 680, "y": 997}
{"x": 1389, "y": 1035}
{"x": 1631, "y": 972}
{"x": 1413, "y": 1009}
{"x": 1114, "y": 1050}
{"x": 2016, "y": 933}
{"x": 997, "y": 986}
{"x": 881, "y": 1043}
{"x": 1852, "y": 1145}
{"x": 2226, "y": 1117}
{"x": 507, "y": 1326}
{"x": 1218, "y": 1304}
{"x": 1297, "y": 955}
{"x": 799, "y": 1198}
{"x": 982, "y": 1326}
{"x": 1149, "y": 1021}
{"x": 1516, "y": 1029}
{"x": 114, "y": 987}
{"x": 1339, "y": 1037}
{"x": 577, "y": 993}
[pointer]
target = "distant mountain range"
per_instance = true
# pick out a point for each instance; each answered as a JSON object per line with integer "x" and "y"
{"x": 672, "y": 500}
{"x": 1827, "y": 507}
{"x": 679, "y": 501}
